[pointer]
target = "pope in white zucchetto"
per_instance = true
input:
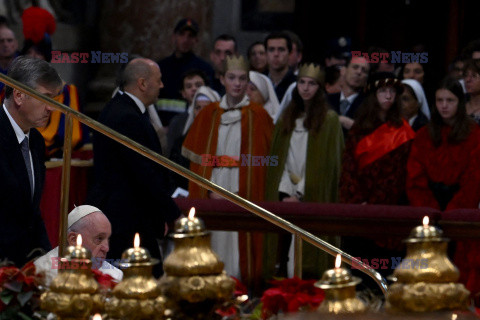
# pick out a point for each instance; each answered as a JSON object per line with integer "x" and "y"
{"x": 95, "y": 229}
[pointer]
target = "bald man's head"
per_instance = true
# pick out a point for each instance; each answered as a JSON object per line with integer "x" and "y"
{"x": 143, "y": 79}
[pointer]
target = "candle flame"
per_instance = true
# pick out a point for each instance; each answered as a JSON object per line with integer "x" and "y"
{"x": 136, "y": 241}
{"x": 426, "y": 220}
{"x": 79, "y": 240}
{"x": 191, "y": 214}
{"x": 97, "y": 316}
{"x": 338, "y": 261}
{"x": 454, "y": 316}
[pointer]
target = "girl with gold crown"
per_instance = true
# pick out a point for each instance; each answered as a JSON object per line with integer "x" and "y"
{"x": 308, "y": 140}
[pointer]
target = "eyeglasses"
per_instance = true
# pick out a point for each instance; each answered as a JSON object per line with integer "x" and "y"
{"x": 472, "y": 75}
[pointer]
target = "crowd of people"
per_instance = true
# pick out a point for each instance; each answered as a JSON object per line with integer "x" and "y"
{"x": 266, "y": 127}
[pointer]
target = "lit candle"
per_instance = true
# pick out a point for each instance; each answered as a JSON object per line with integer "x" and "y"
{"x": 425, "y": 231}
{"x": 136, "y": 241}
{"x": 338, "y": 262}
{"x": 97, "y": 316}
{"x": 79, "y": 240}
{"x": 340, "y": 294}
{"x": 77, "y": 251}
{"x": 426, "y": 220}
{"x": 137, "y": 255}
{"x": 189, "y": 226}
{"x": 454, "y": 316}
{"x": 191, "y": 214}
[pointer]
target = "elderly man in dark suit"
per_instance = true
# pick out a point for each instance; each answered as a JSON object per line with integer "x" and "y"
{"x": 133, "y": 191}
{"x": 346, "y": 103}
{"x": 22, "y": 168}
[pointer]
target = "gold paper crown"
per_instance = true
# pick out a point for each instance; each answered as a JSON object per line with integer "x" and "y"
{"x": 312, "y": 71}
{"x": 236, "y": 63}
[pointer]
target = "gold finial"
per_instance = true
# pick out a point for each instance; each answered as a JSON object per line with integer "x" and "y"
{"x": 236, "y": 63}
{"x": 312, "y": 71}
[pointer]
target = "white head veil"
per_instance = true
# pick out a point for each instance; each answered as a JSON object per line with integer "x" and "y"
{"x": 420, "y": 94}
{"x": 211, "y": 94}
{"x": 264, "y": 85}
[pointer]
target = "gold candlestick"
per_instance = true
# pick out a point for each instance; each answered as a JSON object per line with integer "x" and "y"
{"x": 340, "y": 293}
{"x": 194, "y": 277}
{"x": 137, "y": 296}
{"x": 73, "y": 294}
{"x": 426, "y": 278}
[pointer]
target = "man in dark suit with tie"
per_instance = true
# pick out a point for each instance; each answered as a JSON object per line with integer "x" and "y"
{"x": 22, "y": 168}
{"x": 346, "y": 103}
{"x": 133, "y": 191}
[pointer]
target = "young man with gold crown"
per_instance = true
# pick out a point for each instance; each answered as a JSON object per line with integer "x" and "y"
{"x": 236, "y": 131}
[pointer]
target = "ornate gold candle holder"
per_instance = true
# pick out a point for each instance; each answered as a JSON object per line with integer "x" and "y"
{"x": 73, "y": 294}
{"x": 194, "y": 278}
{"x": 340, "y": 294}
{"x": 137, "y": 296}
{"x": 426, "y": 280}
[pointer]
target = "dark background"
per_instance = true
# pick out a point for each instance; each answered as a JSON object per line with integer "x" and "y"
{"x": 444, "y": 27}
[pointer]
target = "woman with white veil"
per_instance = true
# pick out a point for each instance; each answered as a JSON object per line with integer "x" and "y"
{"x": 260, "y": 90}
{"x": 414, "y": 104}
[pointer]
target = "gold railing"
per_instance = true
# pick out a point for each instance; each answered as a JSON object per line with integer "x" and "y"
{"x": 299, "y": 233}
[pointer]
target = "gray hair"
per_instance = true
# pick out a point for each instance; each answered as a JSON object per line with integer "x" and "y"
{"x": 32, "y": 72}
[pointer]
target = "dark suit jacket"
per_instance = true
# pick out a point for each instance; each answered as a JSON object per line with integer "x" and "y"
{"x": 131, "y": 190}
{"x": 334, "y": 100}
{"x": 21, "y": 225}
{"x": 282, "y": 87}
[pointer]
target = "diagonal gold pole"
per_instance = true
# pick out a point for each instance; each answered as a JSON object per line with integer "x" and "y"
{"x": 65, "y": 191}
{"x": 259, "y": 211}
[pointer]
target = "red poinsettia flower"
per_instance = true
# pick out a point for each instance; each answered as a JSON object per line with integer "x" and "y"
{"x": 19, "y": 289}
{"x": 7, "y": 274}
{"x": 229, "y": 311}
{"x": 290, "y": 295}
{"x": 240, "y": 288}
{"x": 30, "y": 278}
{"x": 106, "y": 281}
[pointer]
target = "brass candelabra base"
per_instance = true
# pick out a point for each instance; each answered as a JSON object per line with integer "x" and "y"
{"x": 351, "y": 305}
{"x": 136, "y": 309}
{"x": 72, "y": 306}
{"x": 427, "y": 297}
{"x": 341, "y": 301}
{"x": 196, "y": 297}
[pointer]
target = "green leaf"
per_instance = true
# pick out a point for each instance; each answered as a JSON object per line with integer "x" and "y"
{"x": 257, "y": 312}
{"x": 23, "y": 297}
{"x": 9, "y": 313}
{"x": 6, "y": 296}
{"x": 23, "y": 316}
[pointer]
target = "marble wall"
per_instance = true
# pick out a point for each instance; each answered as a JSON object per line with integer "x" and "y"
{"x": 140, "y": 27}
{"x": 145, "y": 27}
